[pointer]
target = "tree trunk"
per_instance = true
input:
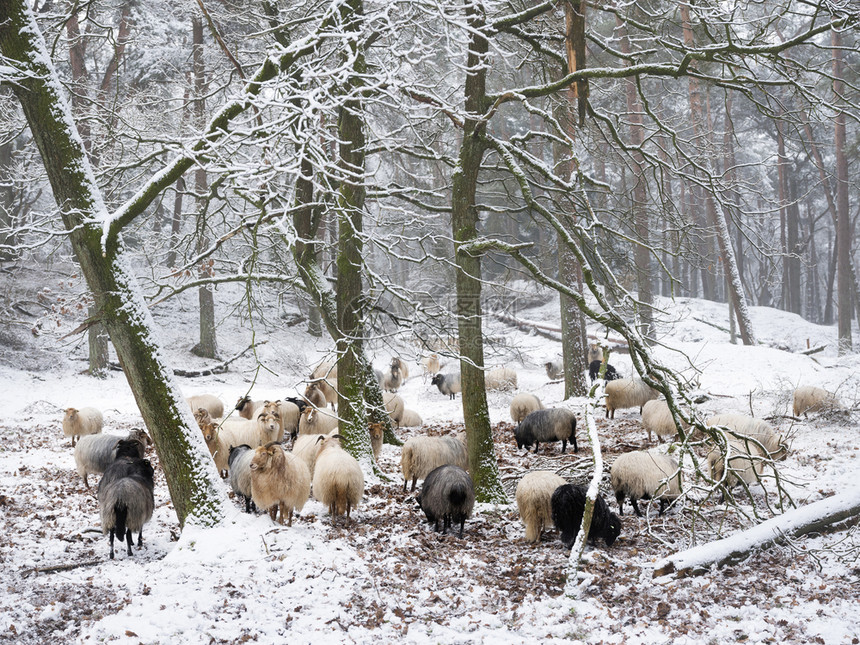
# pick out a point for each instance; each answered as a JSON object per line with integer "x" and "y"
{"x": 196, "y": 492}
{"x": 98, "y": 347}
{"x": 464, "y": 220}
{"x": 843, "y": 224}
{"x": 207, "y": 347}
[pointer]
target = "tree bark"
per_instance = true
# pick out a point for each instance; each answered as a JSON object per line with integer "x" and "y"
{"x": 195, "y": 489}
{"x": 843, "y": 224}
{"x": 464, "y": 220}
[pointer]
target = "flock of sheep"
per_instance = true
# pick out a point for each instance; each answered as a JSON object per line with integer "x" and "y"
{"x": 247, "y": 448}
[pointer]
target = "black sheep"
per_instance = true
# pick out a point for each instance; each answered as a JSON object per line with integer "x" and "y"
{"x": 568, "y": 505}
{"x": 594, "y": 369}
{"x": 546, "y": 426}
{"x": 126, "y": 496}
{"x": 447, "y": 494}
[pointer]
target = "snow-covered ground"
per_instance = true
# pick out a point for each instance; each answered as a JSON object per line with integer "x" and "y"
{"x": 388, "y": 577}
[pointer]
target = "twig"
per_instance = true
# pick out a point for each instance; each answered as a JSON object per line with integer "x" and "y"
{"x": 218, "y": 368}
{"x": 61, "y": 567}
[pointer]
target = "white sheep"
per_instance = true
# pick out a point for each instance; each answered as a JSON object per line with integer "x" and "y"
{"x": 81, "y": 422}
{"x": 221, "y": 435}
{"x": 746, "y": 461}
{"x": 95, "y": 452}
{"x": 411, "y": 419}
{"x": 316, "y": 422}
{"x": 430, "y": 365}
{"x": 306, "y": 447}
{"x": 627, "y": 393}
{"x": 377, "y": 431}
{"x": 325, "y": 377}
{"x": 554, "y": 370}
{"x": 501, "y": 378}
{"x": 239, "y": 463}
{"x": 394, "y": 406}
{"x": 338, "y": 480}
{"x": 279, "y": 480}
{"x": 809, "y": 398}
{"x": 758, "y": 429}
{"x": 657, "y": 417}
{"x": 524, "y": 404}
{"x": 534, "y": 492}
{"x": 208, "y": 402}
{"x": 645, "y": 475}
{"x": 420, "y": 455}
{"x": 595, "y": 353}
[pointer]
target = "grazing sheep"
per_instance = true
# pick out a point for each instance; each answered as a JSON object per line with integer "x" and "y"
{"x": 239, "y": 463}
{"x": 656, "y": 416}
{"x": 554, "y": 370}
{"x": 447, "y": 494}
{"x": 411, "y": 419}
{"x": 95, "y": 452}
{"x": 81, "y": 422}
{"x": 557, "y": 424}
{"x": 402, "y": 365}
{"x": 523, "y": 405}
{"x": 306, "y": 447}
{"x": 126, "y": 499}
{"x": 568, "y": 506}
{"x": 534, "y": 493}
{"x": 279, "y": 480}
{"x": 595, "y": 353}
{"x": 448, "y": 384}
{"x": 745, "y": 459}
{"x": 814, "y": 399}
{"x": 315, "y": 397}
{"x": 758, "y": 429}
{"x": 394, "y": 406}
{"x": 316, "y": 422}
{"x": 420, "y": 455}
{"x": 325, "y": 375}
{"x": 208, "y": 402}
{"x": 611, "y": 373}
{"x": 430, "y": 365}
{"x": 376, "y": 432}
{"x": 501, "y": 378}
{"x": 338, "y": 480}
{"x": 627, "y": 393}
{"x": 642, "y": 475}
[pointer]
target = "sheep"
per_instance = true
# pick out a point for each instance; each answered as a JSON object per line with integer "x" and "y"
{"x": 641, "y": 475}
{"x": 430, "y": 365}
{"x": 447, "y": 494}
{"x": 81, "y": 422}
{"x": 745, "y": 459}
{"x": 554, "y": 370}
{"x": 338, "y": 480}
{"x": 627, "y": 393}
{"x": 394, "y": 406}
{"x": 246, "y": 407}
{"x": 402, "y": 366}
{"x": 95, "y": 452}
{"x": 657, "y": 417}
{"x": 239, "y": 463}
{"x": 501, "y": 378}
{"x": 524, "y": 404}
{"x": 218, "y": 448}
{"x": 306, "y": 447}
{"x": 534, "y": 492}
{"x": 209, "y": 402}
{"x": 393, "y": 378}
{"x": 611, "y": 374}
{"x": 420, "y": 455}
{"x": 325, "y": 375}
{"x": 236, "y": 432}
{"x": 279, "y": 480}
{"x": 758, "y": 429}
{"x": 814, "y": 399}
{"x": 290, "y": 412}
{"x": 595, "y": 353}
{"x": 448, "y": 384}
{"x": 126, "y": 499}
{"x": 316, "y": 422}
{"x": 557, "y": 424}
{"x": 411, "y": 419}
{"x": 568, "y": 504}
{"x": 376, "y": 432}
{"x": 315, "y": 397}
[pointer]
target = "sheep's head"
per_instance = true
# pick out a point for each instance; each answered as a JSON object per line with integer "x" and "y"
{"x": 270, "y": 421}
{"x": 310, "y": 389}
{"x": 201, "y": 415}
{"x": 242, "y": 402}
{"x": 141, "y": 437}
{"x": 209, "y": 431}
{"x": 613, "y": 529}
{"x": 263, "y": 457}
{"x": 376, "y": 430}
{"x": 437, "y": 380}
{"x": 71, "y": 413}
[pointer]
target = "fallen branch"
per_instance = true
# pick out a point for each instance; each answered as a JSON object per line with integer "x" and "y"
{"x": 218, "y": 368}
{"x": 60, "y": 567}
{"x": 552, "y": 332}
{"x": 814, "y": 350}
{"x": 800, "y": 521}
{"x": 714, "y": 325}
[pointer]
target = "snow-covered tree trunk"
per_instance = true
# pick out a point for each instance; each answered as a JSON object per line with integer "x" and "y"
{"x": 196, "y": 492}
{"x": 843, "y": 216}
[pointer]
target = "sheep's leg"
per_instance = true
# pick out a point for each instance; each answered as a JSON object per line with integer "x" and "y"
{"x": 348, "y": 509}
{"x": 128, "y": 540}
{"x": 273, "y": 512}
{"x": 290, "y": 521}
{"x": 140, "y": 538}
{"x": 111, "y": 543}
{"x": 463, "y": 523}
{"x": 73, "y": 440}
{"x": 563, "y": 445}
{"x": 619, "y": 497}
{"x": 414, "y": 482}
{"x": 635, "y": 504}
{"x": 663, "y": 504}
{"x": 282, "y": 508}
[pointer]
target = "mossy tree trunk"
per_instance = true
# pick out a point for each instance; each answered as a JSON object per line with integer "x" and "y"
{"x": 191, "y": 477}
{"x": 464, "y": 219}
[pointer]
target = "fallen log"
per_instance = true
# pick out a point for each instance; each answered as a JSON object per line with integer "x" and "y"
{"x": 814, "y": 517}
